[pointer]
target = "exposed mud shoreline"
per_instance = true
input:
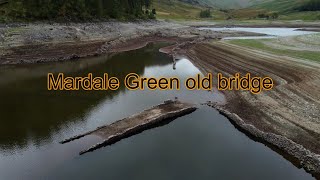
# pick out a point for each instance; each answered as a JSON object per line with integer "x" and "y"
{"x": 296, "y": 153}
{"x": 286, "y": 117}
{"x": 39, "y": 43}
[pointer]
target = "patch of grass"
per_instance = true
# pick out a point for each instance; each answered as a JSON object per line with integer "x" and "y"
{"x": 252, "y": 14}
{"x": 247, "y": 13}
{"x": 279, "y": 5}
{"x": 306, "y": 16}
{"x": 259, "y": 45}
{"x": 176, "y": 10}
{"x": 226, "y": 4}
{"x": 173, "y": 9}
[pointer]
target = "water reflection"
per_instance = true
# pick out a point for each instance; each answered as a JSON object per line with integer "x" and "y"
{"x": 31, "y": 113}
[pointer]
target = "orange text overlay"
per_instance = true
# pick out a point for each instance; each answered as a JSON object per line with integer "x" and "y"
{"x": 135, "y": 82}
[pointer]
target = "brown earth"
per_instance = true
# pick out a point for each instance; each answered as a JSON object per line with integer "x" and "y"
{"x": 39, "y": 43}
{"x": 27, "y": 54}
{"x": 288, "y": 115}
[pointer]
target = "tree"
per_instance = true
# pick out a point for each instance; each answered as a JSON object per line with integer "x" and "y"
{"x": 274, "y": 15}
{"x": 78, "y": 9}
{"x": 154, "y": 11}
{"x": 205, "y": 13}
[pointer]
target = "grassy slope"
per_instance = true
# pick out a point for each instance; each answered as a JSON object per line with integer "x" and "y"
{"x": 286, "y": 8}
{"x": 279, "y": 5}
{"x": 308, "y": 16}
{"x": 174, "y": 9}
{"x": 260, "y": 45}
{"x": 234, "y": 4}
{"x": 226, "y": 4}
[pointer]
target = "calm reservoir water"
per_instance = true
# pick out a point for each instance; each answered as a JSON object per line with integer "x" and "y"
{"x": 202, "y": 145}
{"x": 270, "y": 32}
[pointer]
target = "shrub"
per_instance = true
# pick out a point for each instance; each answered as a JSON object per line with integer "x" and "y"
{"x": 205, "y": 13}
{"x": 274, "y": 15}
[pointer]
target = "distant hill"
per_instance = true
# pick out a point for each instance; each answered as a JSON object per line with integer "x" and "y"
{"x": 271, "y": 5}
{"x": 224, "y": 4}
{"x": 239, "y": 9}
{"x": 280, "y": 5}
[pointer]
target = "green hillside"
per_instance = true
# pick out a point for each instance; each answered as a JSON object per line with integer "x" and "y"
{"x": 291, "y": 9}
{"x": 279, "y": 5}
{"x": 224, "y": 4}
{"x": 175, "y": 9}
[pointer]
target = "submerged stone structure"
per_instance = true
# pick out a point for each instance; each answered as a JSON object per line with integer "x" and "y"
{"x": 147, "y": 119}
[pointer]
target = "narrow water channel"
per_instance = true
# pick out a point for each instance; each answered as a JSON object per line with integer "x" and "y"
{"x": 202, "y": 145}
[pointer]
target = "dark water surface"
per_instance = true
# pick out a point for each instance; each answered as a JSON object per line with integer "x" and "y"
{"x": 202, "y": 145}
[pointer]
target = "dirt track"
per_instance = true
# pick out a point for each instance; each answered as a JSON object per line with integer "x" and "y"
{"x": 291, "y": 109}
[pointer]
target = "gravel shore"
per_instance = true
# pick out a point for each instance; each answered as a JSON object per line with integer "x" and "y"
{"x": 43, "y": 42}
{"x": 286, "y": 117}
